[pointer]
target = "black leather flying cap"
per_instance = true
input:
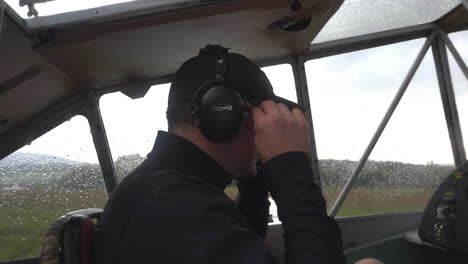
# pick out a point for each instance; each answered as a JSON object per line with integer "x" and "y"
{"x": 241, "y": 74}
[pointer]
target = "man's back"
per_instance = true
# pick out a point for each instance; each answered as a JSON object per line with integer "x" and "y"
{"x": 172, "y": 209}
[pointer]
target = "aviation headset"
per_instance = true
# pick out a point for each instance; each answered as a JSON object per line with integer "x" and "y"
{"x": 217, "y": 108}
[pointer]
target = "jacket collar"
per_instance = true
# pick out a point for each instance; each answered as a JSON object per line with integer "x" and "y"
{"x": 174, "y": 152}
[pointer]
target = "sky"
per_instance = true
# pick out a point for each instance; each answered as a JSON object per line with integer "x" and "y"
{"x": 349, "y": 95}
{"x": 61, "y": 6}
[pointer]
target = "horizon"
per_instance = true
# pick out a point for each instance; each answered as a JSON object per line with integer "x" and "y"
{"x": 144, "y": 157}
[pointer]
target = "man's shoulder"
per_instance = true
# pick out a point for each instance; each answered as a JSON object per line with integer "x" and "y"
{"x": 181, "y": 202}
{"x": 154, "y": 185}
{"x": 178, "y": 189}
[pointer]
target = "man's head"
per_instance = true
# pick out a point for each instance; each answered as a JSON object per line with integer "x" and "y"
{"x": 209, "y": 102}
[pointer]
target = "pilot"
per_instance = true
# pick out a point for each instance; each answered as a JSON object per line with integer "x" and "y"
{"x": 223, "y": 119}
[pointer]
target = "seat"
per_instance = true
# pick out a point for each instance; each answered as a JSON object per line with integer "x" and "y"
{"x": 70, "y": 238}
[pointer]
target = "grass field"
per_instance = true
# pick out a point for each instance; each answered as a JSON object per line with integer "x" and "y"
{"x": 25, "y": 215}
{"x": 362, "y": 201}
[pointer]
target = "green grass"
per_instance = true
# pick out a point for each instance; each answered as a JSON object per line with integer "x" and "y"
{"x": 25, "y": 215}
{"x": 361, "y": 201}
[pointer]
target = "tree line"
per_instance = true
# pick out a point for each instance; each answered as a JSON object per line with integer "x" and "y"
{"x": 334, "y": 173}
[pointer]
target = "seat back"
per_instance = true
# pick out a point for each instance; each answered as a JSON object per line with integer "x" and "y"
{"x": 70, "y": 238}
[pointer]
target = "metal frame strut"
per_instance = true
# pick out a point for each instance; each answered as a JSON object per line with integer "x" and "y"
{"x": 448, "y": 99}
{"x": 302, "y": 91}
{"x": 101, "y": 143}
{"x": 455, "y": 53}
{"x": 396, "y": 100}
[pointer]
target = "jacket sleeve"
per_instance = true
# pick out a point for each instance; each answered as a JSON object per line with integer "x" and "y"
{"x": 311, "y": 236}
{"x": 253, "y": 203}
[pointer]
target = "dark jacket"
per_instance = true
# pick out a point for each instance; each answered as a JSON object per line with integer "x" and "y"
{"x": 172, "y": 209}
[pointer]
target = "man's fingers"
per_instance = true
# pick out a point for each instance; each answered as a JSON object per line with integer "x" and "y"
{"x": 278, "y": 130}
{"x": 257, "y": 115}
{"x": 283, "y": 109}
{"x": 298, "y": 114}
{"x": 269, "y": 107}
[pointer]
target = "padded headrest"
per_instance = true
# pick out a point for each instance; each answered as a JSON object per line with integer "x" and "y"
{"x": 69, "y": 239}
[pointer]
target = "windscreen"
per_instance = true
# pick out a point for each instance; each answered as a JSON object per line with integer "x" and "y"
{"x": 360, "y": 17}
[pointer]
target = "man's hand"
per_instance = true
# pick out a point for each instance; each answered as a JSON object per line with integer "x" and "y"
{"x": 278, "y": 130}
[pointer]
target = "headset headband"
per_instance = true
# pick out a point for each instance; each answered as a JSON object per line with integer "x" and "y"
{"x": 219, "y": 51}
{"x": 220, "y": 67}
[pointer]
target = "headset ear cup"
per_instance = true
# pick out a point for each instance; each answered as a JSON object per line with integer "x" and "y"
{"x": 217, "y": 109}
{"x": 195, "y": 115}
{"x": 219, "y": 113}
{"x": 197, "y": 101}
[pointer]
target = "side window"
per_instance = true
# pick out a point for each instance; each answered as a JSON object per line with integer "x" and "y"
{"x": 460, "y": 83}
{"x": 349, "y": 96}
{"x": 132, "y": 125}
{"x": 282, "y": 79}
{"x": 55, "y": 174}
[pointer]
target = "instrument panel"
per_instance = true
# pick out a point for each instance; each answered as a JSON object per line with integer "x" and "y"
{"x": 445, "y": 219}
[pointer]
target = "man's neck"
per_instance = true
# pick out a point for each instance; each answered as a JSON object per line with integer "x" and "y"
{"x": 218, "y": 151}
